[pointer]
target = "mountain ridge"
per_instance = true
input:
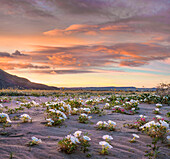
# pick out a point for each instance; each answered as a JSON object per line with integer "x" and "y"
{"x": 12, "y": 81}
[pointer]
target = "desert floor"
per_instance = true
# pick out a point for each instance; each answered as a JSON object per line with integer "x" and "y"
{"x": 14, "y": 140}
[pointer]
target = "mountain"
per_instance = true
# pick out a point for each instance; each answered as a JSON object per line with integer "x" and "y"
{"x": 11, "y": 81}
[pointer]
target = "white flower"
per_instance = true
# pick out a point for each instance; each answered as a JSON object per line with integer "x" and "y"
{"x": 149, "y": 124}
{"x": 36, "y": 140}
{"x": 2, "y": 115}
{"x": 159, "y": 105}
{"x": 157, "y": 109}
{"x": 1, "y": 106}
{"x": 105, "y": 144}
{"x": 86, "y": 138}
{"x": 111, "y": 122}
{"x": 105, "y": 123}
{"x": 107, "y": 104}
{"x": 107, "y": 137}
{"x": 132, "y": 101}
{"x": 83, "y": 115}
{"x": 89, "y": 117}
{"x": 168, "y": 138}
{"x": 25, "y": 116}
{"x": 99, "y": 122}
{"x": 75, "y": 109}
{"x": 86, "y": 109}
{"x": 62, "y": 108}
{"x": 52, "y": 110}
{"x": 142, "y": 116}
{"x": 77, "y": 133}
{"x": 50, "y": 121}
{"x": 64, "y": 116}
{"x": 135, "y": 135}
{"x": 158, "y": 116}
{"x": 61, "y": 118}
{"x": 164, "y": 123}
{"x": 68, "y": 136}
{"x": 34, "y": 103}
{"x": 117, "y": 106}
{"x": 74, "y": 139}
{"x": 133, "y": 108}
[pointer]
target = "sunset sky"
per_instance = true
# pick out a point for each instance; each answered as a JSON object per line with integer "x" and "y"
{"x": 86, "y": 42}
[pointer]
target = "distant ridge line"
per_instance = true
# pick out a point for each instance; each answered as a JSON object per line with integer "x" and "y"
{"x": 12, "y": 81}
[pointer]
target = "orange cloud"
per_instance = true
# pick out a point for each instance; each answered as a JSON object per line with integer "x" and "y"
{"x": 63, "y": 60}
{"x": 115, "y": 28}
{"x": 88, "y": 29}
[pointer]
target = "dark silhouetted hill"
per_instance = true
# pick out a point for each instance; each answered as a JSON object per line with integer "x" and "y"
{"x": 11, "y": 81}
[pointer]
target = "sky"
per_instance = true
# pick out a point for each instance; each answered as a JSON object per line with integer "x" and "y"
{"x": 81, "y": 43}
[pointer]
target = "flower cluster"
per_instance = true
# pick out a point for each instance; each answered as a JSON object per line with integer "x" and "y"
{"x": 107, "y": 138}
{"x": 55, "y": 117}
{"x": 61, "y": 105}
{"x": 105, "y": 146}
{"x": 71, "y": 142}
{"x": 156, "y": 129}
{"x": 141, "y": 121}
{"x": 74, "y": 111}
{"x": 4, "y": 100}
{"x": 110, "y": 125}
{"x": 158, "y": 105}
{"x": 131, "y": 104}
{"x": 84, "y": 118}
{"x": 107, "y": 106}
{"x": 35, "y": 141}
{"x": 156, "y": 111}
{"x": 118, "y": 109}
{"x": 25, "y": 118}
{"x": 4, "y": 118}
{"x": 85, "y": 110}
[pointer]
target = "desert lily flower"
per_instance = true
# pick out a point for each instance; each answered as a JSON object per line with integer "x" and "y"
{"x": 73, "y": 139}
{"x": 77, "y": 133}
{"x": 86, "y": 138}
{"x": 107, "y": 138}
{"x": 134, "y": 137}
{"x": 157, "y": 109}
{"x": 111, "y": 125}
{"x": 158, "y": 105}
{"x": 101, "y": 124}
{"x": 164, "y": 123}
{"x": 50, "y": 121}
{"x": 105, "y": 146}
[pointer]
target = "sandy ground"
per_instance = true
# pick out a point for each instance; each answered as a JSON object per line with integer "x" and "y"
{"x": 20, "y": 133}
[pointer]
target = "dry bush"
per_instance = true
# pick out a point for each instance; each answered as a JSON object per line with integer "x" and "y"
{"x": 163, "y": 89}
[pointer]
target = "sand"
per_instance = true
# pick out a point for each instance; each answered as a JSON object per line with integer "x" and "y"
{"x": 20, "y": 133}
